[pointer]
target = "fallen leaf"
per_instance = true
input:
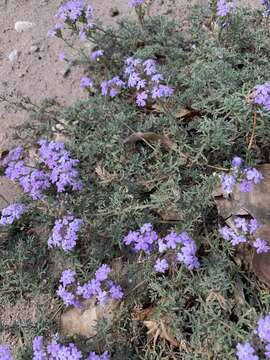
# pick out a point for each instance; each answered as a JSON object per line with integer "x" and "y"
{"x": 187, "y": 114}
{"x": 157, "y": 327}
{"x": 150, "y": 137}
{"x": 170, "y": 213}
{"x": 83, "y": 321}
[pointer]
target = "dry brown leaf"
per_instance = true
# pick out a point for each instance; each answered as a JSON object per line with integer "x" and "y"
{"x": 104, "y": 175}
{"x": 150, "y": 137}
{"x": 157, "y": 327}
{"x": 187, "y": 114}
{"x": 83, "y": 321}
{"x": 170, "y": 214}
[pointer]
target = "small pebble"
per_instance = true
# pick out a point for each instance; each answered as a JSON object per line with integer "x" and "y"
{"x": 34, "y": 49}
{"x": 21, "y": 26}
{"x": 13, "y": 56}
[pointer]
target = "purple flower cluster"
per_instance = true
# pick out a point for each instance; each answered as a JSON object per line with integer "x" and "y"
{"x": 246, "y": 175}
{"x": 112, "y": 87}
{"x": 100, "y": 287}
{"x": 262, "y": 95}
{"x": 246, "y": 351}
{"x": 5, "y": 353}
{"x": 76, "y": 13}
{"x": 134, "y": 3}
{"x": 55, "y": 351}
{"x": 266, "y": 5}
{"x": 12, "y": 212}
{"x": 245, "y": 230}
{"x": 62, "y": 169}
{"x": 142, "y": 78}
{"x": 86, "y": 82}
{"x": 148, "y": 241}
{"x": 225, "y": 7}
{"x": 65, "y": 233}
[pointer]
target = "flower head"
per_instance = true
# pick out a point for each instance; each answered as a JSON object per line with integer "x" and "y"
{"x": 12, "y": 212}
{"x": 246, "y": 352}
{"x": 161, "y": 266}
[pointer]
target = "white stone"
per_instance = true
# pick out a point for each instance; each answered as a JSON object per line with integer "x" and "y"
{"x": 21, "y": 26}
{"x": 13, "y": 56}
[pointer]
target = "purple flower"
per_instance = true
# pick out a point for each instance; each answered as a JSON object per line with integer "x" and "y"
{"x": 224, "y": 8}
{"x": 267, "y": 351}
{"x": 94, "y": 356}
{"x": 71, "y": 10}
{"x": 141, "y": 99}
{"x": 12, "y": 212}
{"x": 102, "y": 272}
{"x": 261, "y": 246}
{"x": 56, "y": 30}
{"x": 96, "y": 54}
{"x": 266, "y": 5}
{"x": 133, "y": 79}
{"x": 91, "y": 288}
{"x": 66, "y": 296}
{"x": 86, "y": 82}
{"x": 35, "y": 183}
{"x": 13, "y": 155}
{"x": 188, "y": 255}
{"x": 156, "y": 78}
{"x": 241, "y": 224}
{"x": 246, "y": 352}
{"x": 63, "y": 167}
{"x": 264, "y": 328}
{"x": 253, "y": 175}
{"x": 262, "y": 94}
{"x": 5, "y": 353}
{"x": 65, "y": 233}
{"x": 116, "y": 291}
{"x": 238, "y": 239}
{"x": 38, "y": 349}
{"x": 253, "y": 226}
{"x": 161, "y": 91}
{"x": 102, "y": 297}
{"x": 67, "y": 277}
{"x": 228, "y": 183}
{"x": 226, "y": 233}
{"x": 134, "y": 3}
{"x": 161, "y": 266}
{"x": 150, "y": 67}
{"x": 237, "y": 162}
{"x": 245, "y": 186}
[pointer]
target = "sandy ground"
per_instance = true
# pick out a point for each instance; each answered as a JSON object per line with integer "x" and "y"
{"x": 37, "y": 72}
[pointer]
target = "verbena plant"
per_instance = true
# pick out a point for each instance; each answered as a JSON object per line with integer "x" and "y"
{"x": 165, "y": 180}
